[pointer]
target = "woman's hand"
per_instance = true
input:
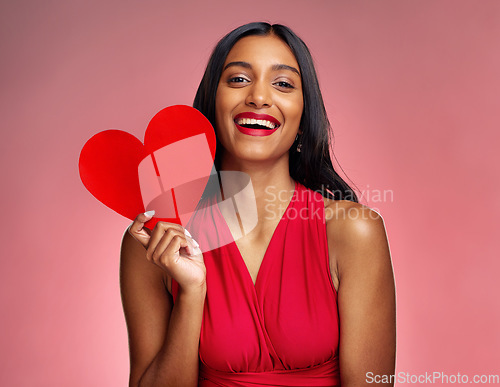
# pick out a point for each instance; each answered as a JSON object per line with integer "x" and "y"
{"x": 171, "y": 247}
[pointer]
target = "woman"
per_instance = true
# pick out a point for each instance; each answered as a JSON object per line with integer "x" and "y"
{"x": 306, "y": 297}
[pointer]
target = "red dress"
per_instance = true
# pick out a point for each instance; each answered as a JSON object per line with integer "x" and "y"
{"x": 282, "y": 331}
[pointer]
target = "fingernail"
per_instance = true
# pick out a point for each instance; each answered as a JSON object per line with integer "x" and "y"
{"x": 196, "y": 244}
{"x": 195, "y": 251}
{"x": 149, "y": 213}
{"x": 187, "y": 233}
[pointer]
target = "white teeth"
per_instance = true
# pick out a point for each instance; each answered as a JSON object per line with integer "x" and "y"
{"x": 253, "y": 121}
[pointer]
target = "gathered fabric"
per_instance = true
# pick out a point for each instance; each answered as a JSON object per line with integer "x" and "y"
{"x": 284, "y": 329}
{"x": 325, "y": 375}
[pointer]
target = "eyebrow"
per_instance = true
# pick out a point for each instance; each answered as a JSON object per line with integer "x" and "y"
{"x": 275, "y": 67}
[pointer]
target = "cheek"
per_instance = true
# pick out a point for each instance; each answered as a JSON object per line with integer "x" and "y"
{"x": 219, "y": 110}
{"x": 223, "y": 108}
{"x": 294, "y": 109}
{"x": 222, "y": 105}
{"x": 300, "y": 109}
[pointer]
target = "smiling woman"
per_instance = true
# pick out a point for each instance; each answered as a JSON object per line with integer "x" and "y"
{"x": 304, "y": 297}
{"x": 260, "y": 81}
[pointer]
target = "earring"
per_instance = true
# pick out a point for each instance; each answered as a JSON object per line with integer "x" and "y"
{"x": 299, "y": 145}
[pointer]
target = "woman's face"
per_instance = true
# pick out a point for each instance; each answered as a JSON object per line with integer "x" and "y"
{"x": 259, "y": 100}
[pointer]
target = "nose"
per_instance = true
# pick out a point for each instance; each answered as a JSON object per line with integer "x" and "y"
{"x": 259, "y": 95}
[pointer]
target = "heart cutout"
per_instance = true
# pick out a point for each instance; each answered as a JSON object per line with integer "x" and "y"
{"x": 167, "y": 173}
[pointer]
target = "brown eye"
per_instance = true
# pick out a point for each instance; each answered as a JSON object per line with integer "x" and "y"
{"x": 237, "y": 80}
{"x": 284, "y": 85}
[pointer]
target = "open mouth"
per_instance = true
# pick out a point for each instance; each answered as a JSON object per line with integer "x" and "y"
{"x": 252, "y": 123}
{"x": 255, "y": 124}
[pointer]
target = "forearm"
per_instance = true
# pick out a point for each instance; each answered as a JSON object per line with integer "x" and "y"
{"x": 177, "y": 362}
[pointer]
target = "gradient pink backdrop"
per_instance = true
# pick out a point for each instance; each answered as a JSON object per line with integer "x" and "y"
{"x": 412, "y": 89}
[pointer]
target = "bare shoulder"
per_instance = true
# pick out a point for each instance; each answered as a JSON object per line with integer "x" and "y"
{"x": 147, "y": 306}
{"x": 359, "y": 252}
{"x": 133, "y": 261}
{"x": 355, "y": 233}
{"x": 352, "y": 220}
{"x": 348, "y": 210}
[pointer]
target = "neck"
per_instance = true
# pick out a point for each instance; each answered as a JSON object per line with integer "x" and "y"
{"x": 271, "y": 182}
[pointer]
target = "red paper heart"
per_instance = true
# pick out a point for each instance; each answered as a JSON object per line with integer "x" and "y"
{"x": 124, "y": 174}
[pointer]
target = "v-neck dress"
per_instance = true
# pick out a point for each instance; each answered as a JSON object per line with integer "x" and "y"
{"x": 284, "y": 330}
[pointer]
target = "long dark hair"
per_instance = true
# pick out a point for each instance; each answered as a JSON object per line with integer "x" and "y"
{"x": 312, "y": 167}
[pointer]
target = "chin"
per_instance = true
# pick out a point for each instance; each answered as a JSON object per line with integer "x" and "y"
{"x": 249, "y": 155}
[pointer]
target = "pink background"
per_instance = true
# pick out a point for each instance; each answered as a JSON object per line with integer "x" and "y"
{"x": 412, "y": 89}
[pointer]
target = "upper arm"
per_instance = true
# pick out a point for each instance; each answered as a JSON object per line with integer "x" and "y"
{"x": 146, "y": 304}
{"x": 366, "y": 295}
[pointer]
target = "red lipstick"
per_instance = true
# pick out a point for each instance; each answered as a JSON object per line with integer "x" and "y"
{"x": 263, "y": 121}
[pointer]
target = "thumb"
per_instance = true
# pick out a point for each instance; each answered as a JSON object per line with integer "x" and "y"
{"x": 137, "y": 229}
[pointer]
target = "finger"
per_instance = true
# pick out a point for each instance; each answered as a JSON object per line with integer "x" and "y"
{"x": 193, "y": 247}
{"x": 155, "y": 251}
{"x": 172, "y": 249}
{"x": 157, "y": 235}
{"x": 137, "y": 229}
